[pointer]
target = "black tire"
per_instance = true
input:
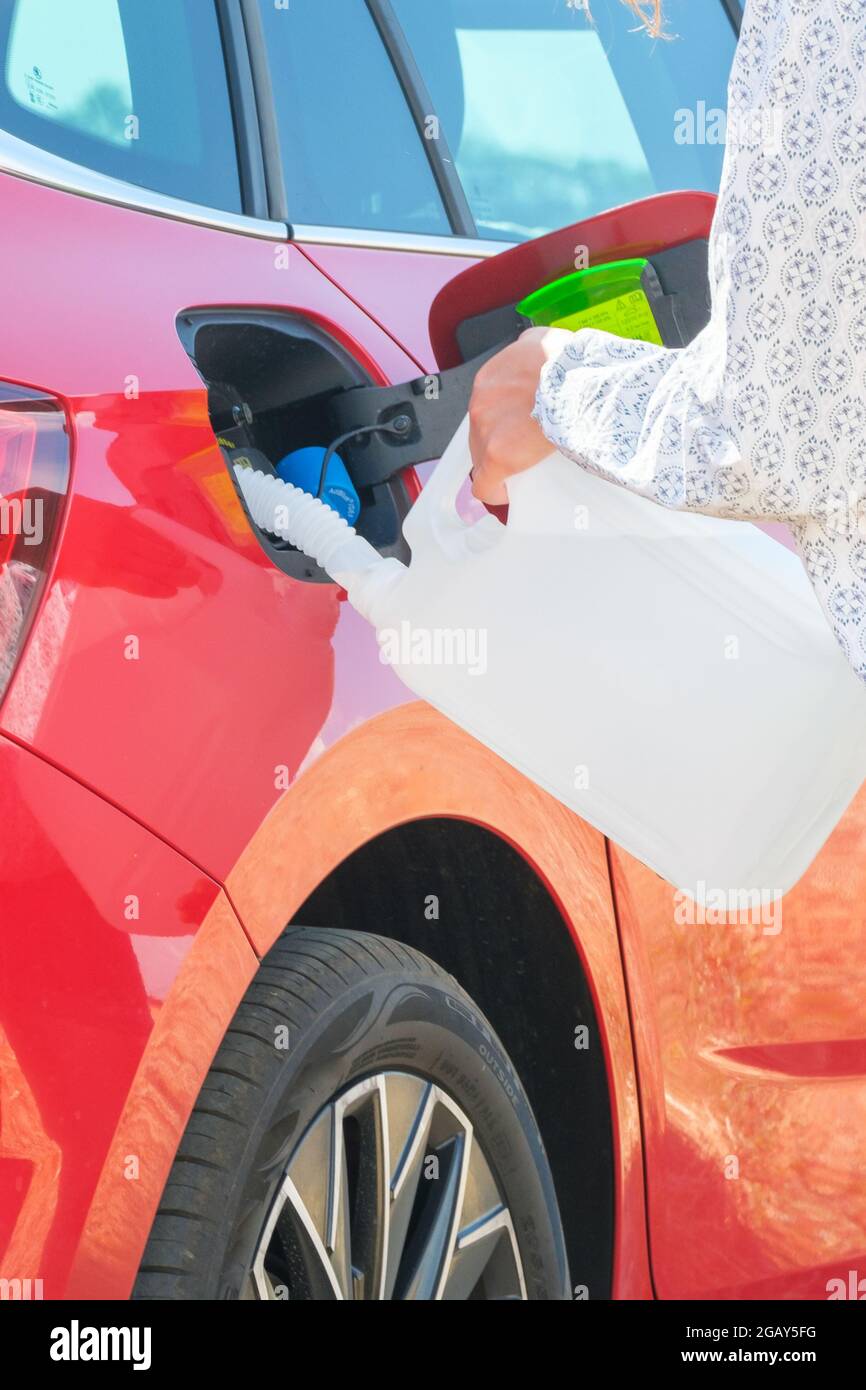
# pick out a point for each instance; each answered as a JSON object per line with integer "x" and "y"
{"x": 326, "y": 1009}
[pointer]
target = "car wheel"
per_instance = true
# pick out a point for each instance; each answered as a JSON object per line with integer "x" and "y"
{"x": 361, "y": 1134}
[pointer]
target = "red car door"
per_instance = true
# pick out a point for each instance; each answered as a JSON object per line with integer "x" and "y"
{"x": 159, "y": 585}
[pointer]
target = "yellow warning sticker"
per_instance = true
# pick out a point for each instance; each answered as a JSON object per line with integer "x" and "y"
{"x": 628, "y": 316}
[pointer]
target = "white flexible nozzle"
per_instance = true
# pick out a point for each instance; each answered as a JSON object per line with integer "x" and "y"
{"x": 315, "y": 528}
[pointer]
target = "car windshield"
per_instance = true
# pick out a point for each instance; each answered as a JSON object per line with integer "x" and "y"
{"x": 552, "y": 116}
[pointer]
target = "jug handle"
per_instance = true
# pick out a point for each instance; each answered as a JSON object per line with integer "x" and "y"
{"x": 435, "y": 516}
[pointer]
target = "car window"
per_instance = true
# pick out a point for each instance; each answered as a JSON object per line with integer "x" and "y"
{"x": 351, "y": 151}
{"x": 131, "y": 89}
{"x": 551, "y": 116}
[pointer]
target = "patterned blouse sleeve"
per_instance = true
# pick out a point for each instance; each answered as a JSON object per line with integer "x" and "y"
{"x": 763, "y": 415}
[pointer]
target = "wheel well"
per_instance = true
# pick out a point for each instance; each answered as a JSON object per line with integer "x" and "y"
{"x": 501, "y": 935}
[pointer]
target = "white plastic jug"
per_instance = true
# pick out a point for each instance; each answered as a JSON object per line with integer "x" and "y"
{"x": 668, "y": 676}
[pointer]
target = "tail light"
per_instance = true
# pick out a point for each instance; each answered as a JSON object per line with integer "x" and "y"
{"x": 34, "y": 472}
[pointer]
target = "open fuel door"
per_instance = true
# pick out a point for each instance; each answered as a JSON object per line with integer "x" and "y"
{"x": 477, "y": 314}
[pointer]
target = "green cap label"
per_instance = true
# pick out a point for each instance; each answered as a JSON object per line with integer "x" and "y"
{"x": 628, "y": 316}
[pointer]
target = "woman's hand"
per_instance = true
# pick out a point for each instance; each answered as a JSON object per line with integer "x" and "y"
{"x": 503, "y": 437}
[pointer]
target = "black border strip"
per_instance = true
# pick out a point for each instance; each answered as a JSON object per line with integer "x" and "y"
{"x": 422, "y": 108}
{"x": 734, "y": 10}
{"x": 254, "y": 192}
{"x": 278, "y": 208}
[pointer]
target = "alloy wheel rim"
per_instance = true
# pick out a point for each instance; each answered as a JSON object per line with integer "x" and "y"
{"x": 388, "y": 1196}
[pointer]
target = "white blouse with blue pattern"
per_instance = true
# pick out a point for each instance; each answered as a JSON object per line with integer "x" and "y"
{"x": 763, "y": 415}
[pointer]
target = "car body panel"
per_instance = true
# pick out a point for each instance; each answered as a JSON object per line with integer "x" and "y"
{"x": 173, "y": 673}
{"x": 103, "y": 924}
{"x": 750, "y": 1038}
{"x": 412, "y": 764}
{"x": 128, "y": 681}
{"x": 398, "y": 301}
{"x": 187, "y": 1032}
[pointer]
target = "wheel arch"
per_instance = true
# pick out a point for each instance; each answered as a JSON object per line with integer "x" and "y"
{"x": 467, "y": 899}
{"x": 410, "y": 765}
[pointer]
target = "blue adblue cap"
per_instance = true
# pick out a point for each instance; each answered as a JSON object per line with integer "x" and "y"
{"x": 303, "y": 468}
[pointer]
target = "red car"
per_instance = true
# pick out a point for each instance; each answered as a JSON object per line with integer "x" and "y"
{"x": 304, "y": 993}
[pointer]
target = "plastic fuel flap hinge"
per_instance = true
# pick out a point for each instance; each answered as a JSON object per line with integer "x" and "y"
{"x": 422, "y": 418}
